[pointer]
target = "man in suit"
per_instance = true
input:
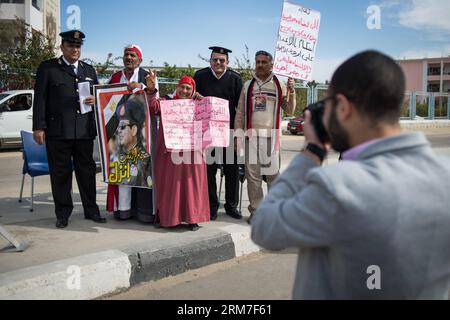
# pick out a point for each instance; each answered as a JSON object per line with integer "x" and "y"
{"x": 375, "y": 225}
{"x": 221, "y": 82}
{"x": 67, "y": 129}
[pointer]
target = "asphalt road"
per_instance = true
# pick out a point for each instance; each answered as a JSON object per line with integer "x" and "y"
{"x": 260, "y": 276}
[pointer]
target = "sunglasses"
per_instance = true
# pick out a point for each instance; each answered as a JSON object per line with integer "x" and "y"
{"x": 221, "y": 60}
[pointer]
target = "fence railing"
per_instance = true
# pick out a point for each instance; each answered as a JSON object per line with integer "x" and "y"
{"x": 417, "y": 105}
{"x": 426, "y": 105}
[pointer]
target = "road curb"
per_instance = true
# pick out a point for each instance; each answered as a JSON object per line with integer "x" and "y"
{"x": 105, "y": 273}
{"x": 154, "y": 265}
{"x": 83, "y": 277}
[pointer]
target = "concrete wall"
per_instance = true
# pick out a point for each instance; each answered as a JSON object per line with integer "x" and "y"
{"x": 35, "y": 18}
{"x": 52, "y": 20}
{"x": 414, "y": 72}
{"x": 9, "y": 11}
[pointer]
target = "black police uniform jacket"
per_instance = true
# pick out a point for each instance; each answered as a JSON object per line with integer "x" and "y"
{"x": 228, "y": 87}
{"x": 56, "y": 107}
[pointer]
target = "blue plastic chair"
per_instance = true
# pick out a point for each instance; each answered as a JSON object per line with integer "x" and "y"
{"x": 35, "y": 162}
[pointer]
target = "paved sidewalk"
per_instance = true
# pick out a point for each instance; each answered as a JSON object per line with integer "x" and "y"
{"x": 108, "y": 257}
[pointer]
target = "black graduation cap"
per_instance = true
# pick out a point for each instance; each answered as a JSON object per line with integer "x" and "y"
{"x": 220, "y": 50}
{"x": 73, "y": 36}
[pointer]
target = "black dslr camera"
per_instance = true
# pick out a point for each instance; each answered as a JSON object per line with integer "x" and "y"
{"x": 317, "y": 110}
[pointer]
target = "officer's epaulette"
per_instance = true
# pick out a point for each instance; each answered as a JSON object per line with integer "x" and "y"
{"x": 235, "y": 72}
{"x": 83, "y": 64}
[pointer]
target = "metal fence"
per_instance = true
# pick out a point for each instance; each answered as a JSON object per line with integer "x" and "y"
{"x": 417, "y": 105}
{"x": 426, "y": 105}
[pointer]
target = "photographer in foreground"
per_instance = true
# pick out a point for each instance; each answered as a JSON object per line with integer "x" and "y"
{"x": 376, "y": 225}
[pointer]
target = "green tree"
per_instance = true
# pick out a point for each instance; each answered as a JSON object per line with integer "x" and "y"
{"x": 174, "y": 72}
{"x": 102, "y": 68}
{"x": 244, "y": 66}
{"x": 19, "y": 63}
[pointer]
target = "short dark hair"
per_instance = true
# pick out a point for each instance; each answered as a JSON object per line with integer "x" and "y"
{"x": 374, "y": 82}
{"x": 264, "y": 53}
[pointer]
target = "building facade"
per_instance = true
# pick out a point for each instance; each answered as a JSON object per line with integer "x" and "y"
{"x": 42, "y": 16}
{"x": 427, "y": 75}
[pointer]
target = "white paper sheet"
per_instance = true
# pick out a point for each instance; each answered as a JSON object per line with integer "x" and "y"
{"x": 84, "y": 90}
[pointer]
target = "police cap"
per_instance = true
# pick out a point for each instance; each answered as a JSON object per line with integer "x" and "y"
{"x": 220, "y": 50}
{"x": 73, "y": 36}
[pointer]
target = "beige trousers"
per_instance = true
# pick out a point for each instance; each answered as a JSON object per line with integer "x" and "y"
{"x": 260, "y": 160}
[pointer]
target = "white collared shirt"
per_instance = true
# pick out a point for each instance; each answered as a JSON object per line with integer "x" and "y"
{"x": 70, "y": 64}
{"x": 215, "y": 75}
{"x": 134, "y": 78}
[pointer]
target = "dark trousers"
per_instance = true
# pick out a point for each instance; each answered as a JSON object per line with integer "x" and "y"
{"x": 64, "y": 156}
{"x": 142, "y": 204}
{"x": 231, "y": 185}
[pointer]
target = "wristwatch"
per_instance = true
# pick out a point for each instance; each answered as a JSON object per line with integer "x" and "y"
{"x": 318, "y": 151}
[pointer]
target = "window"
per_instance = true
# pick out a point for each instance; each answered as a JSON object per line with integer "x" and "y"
{"x": 20, "y": 102}
{"x": 37, "y": 4}
{"x": 12, "y": 1}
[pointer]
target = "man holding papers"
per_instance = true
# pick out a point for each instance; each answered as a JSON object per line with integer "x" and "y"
{"x": 63, "y": 119}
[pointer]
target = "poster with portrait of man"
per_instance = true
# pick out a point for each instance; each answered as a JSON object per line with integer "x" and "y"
{"x": 125, "y": 136}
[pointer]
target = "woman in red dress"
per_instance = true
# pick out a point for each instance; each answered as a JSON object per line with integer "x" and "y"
{"x": 181, "y": 189}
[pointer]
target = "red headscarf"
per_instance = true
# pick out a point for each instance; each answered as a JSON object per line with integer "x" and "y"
{"x": 134, "y": 48}
{"x": 187, "y": 80}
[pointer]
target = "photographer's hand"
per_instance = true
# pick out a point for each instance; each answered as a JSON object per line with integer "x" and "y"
{"x": 311, "y": 138}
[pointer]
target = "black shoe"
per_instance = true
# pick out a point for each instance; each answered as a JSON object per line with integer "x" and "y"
{"x": 62, "y": 223}
{"x": 214, "y": 216}
{"x": 96, "y": 218}
{"x": 249, "y": 220}
{"x": 194, "y": 227}
{"x": 234, "y": 213}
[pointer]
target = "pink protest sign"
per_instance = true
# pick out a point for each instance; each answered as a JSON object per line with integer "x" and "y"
{"x": 196, "y": 125}
{"x": 297, "y": 42}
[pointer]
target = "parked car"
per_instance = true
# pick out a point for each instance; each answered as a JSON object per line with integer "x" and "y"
{"x": 295, "y": 126}
{"x": 16, "y": 114}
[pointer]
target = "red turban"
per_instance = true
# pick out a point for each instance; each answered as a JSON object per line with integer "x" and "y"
{"x": 187, "y": 80}
{"x": 135, "y": 48}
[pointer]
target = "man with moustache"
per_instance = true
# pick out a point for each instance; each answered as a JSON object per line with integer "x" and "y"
{"x": 375, "y": 225}
{"x": 259, "y": 114}
{"x": 123, "y": 201}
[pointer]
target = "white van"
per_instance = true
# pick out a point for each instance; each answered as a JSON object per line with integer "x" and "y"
{"x": 16, "y": 114}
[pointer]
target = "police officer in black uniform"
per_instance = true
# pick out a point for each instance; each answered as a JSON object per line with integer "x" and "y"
{"x": 221, "y": 82}
{"x": 68, "y": 132}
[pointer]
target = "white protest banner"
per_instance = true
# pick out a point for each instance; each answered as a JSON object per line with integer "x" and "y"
{"x": 297, "y": 42}
{"x": 195, "y": 125}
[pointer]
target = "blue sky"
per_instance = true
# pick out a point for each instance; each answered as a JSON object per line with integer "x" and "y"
{"x": 177, "y": 31}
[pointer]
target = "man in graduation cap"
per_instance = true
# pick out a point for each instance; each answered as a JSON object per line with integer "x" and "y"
{"x": 221, "y": 82}
{"x": 67, "y": 129}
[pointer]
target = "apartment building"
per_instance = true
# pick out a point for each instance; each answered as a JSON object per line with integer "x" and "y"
{"x": 427, "y": 75}
{"x": 42, "y": 15}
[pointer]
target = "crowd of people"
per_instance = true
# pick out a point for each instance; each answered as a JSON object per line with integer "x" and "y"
{"x": 385, "y": 204}
{"x": 185, "y": 193}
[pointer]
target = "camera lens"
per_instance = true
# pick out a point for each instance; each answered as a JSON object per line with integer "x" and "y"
{"x": 317, "y": 110}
